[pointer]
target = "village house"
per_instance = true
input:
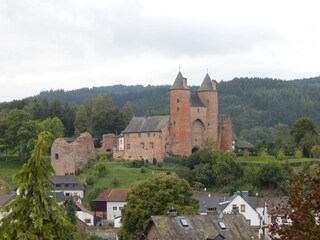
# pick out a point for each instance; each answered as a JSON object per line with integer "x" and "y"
{"x": 109, "y": 203}
{"x": 84, "y": 214}
{"x": 252, "y": 208}
{"x": 69, "y": 185}
{"x": 208, "y": 227}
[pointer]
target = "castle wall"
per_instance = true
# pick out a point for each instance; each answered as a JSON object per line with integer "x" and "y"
{"x": 145, "y": 145}
{"x": 66, "y": 157}
{"x": 225, "y": 130}
{"x": 180, "y": 122}
{"x": 109, "y": 142}
{"x": 210, "y": 100}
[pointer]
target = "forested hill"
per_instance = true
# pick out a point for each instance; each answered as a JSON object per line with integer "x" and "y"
{"x": 255, "y": 104}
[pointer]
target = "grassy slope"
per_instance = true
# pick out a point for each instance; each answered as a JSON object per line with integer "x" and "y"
{"x": 9, "y": 168}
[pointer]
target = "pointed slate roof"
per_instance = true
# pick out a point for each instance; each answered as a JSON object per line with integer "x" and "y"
{"x": 147, "y": 124}
{"x": 196, "y": 101}
{"x": 178, "y": 83}
{"x": 206, "y": 84}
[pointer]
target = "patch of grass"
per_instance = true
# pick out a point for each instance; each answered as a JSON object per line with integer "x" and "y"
{"x": 10, "y": 167}
{"x": 271, "y": 159}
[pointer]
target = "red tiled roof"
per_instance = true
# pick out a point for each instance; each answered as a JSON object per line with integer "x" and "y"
{"x": 82, "y": 208}
{"x": 113, "y": 195}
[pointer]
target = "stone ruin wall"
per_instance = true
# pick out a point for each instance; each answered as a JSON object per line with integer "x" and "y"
{"x": 66, "y": 157}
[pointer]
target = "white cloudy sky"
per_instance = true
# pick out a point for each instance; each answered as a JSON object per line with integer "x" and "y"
{"x": 69, "y": 44}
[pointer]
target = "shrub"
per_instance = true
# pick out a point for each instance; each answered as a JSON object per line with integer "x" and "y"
{"x": 297, "y": 153}
{"x": 134, "y": 164}
{"x": 100, "y": 169}
{"x": 281, "y": 155}
{"x": 115, "y": 182}
{"x": 90, "y": 180}
{"x": 142, "y": 169}
{"x": 159, "y": 165}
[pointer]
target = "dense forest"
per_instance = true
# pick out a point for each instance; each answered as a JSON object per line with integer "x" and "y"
{"x": 256, "y": 105}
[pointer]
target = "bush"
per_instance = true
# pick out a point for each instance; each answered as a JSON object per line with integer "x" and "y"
{"x": 297, "y": 153}
{"x": 159, "y": 165}
{"x": 134, "y": 164}
{"x": 281, "y": 155}
{"x": 100, "y": 169}
{"x": 115, "y": 182}
{"x": 142, "y": 169}
{"x": 90, "y": 180}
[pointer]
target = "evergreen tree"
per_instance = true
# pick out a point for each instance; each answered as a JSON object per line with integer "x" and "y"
{"x": 71, "y": 208}
{"x": 33, "y": 215}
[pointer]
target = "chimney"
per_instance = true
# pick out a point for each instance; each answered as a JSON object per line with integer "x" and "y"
{"x": 172, "y": 212}
{"x": 245, "y": 195}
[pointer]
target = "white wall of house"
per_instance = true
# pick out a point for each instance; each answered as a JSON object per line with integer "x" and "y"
{"x": 117, "y": 222}
{"x": 73, "y": 193}
{"x": 245, "y": 209}
{"x": 85, "y": 217}
{"x": 114, "y": 209}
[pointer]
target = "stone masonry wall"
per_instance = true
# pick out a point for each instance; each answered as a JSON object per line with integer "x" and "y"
{"x": 66, "y": 157}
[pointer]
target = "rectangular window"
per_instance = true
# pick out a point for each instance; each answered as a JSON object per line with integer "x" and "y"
{"x": 142, "y": 145}
{"x": 151, "y": 145}
{"x": 87, "y": 220}
{"x": 56, "y": 156}
{"x": 58, "y": 185}
{"x": 120, "y": 208}
{"x": 178, "y": 109}
{"x": 128, "y": 146}
{"x": 178, "y": 100}
{"x": 243, "y": 208}
{"x": 67, "y": 194}
{"x": 114, "y": 208}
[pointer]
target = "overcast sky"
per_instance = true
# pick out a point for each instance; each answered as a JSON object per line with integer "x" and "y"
{"x": 70, "y": 44}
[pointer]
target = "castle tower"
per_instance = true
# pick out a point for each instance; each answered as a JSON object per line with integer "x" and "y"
{"x": 209, "y": 97}
{"x": 180, "y": 123}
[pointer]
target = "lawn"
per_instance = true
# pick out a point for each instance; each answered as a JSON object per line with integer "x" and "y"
{"x": 9, "y": 168}
{"x": 125, "y": 176}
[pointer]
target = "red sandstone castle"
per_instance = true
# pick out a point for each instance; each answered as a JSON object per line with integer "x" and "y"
{"x": 193, "y": 121}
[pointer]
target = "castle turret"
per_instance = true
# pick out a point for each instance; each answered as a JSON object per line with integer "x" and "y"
{"x": 209, "y": 97}
{"x": 180, "y": 123}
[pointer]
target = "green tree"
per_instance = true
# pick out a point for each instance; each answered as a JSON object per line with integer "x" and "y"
{"x": 302, "y": 208}
{"x": 270, "y": 175}
{"x": 33, "y": 215}
{"x": 155, "y": 196}
{"x": 70, "y": 208}
{"x": 53, "y": 125}
{"x": 315, "y": 151}
{"x": 282, "y": 138}
{"x": 301, "y": 127}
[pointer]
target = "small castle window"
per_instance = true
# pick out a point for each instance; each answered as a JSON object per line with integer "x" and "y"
{"x": 174, "y": 123}
{"x": 208, "y": 124}
{"x": 56, "y": 156}
{"x": 178, "y": 109}
{"x": 178, "y": 100}
{"x": 198, "y": 110}
{"x": 151, "y": 145}
{"x": 128, "y": 146}
{"x": 139, "y": 134}
{"x": 148, "y": 134}
{"x": 142, "y": 145}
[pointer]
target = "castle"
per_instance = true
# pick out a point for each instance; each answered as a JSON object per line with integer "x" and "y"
{"x": 193, "y": 121}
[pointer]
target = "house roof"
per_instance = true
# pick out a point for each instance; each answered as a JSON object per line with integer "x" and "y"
{"x": 146, "y": 124}
{"x": 210, "y": 200}
{"x": 113, "y": 195}
{"x": 83, "y": 208}
{"x": 7, "y": 198}
{"x": 196, "y": 101}
{"x": 178, "y": 83}
{"x": 59, "y": 196}
{"x": 67, "y": 182}
{"x": 201, "y": 227}
{"x": 274, "y": 202}
{"x": 244, "y": 144}
{"x": 206, "y": 84}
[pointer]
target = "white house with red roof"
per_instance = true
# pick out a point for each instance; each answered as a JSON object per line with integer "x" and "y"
{"x": 110, "y": 203}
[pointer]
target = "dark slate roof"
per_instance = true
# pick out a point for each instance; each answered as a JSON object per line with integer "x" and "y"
{"x": 67, "y": 182}
{"x": 7, "y": 198}
{"x": 206, "y": 84}
{"x": 210, "y": 200}
{"x": 59, "y": 196}
{"x": 146, "y": 124}
{"x": 202, "y": 227}
{"x": 196, "y": 101}
{"x": 178, "y": 83}
{"x": 244, "y": 145}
